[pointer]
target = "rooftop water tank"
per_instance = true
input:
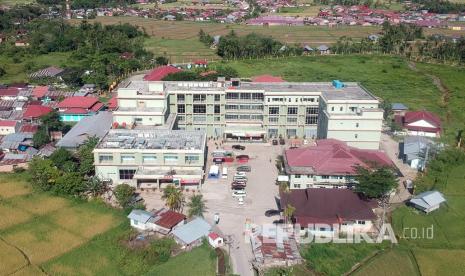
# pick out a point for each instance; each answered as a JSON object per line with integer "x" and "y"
{"x": 338, "y": 84}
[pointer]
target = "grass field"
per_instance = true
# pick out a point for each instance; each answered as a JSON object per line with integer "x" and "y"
{"x": 16, "y": 72}
{"x": 440, "y": 261}
{"x": 199, "y": 262}
{"x": 395, "y": 262}
{"x": 180, "y": 50}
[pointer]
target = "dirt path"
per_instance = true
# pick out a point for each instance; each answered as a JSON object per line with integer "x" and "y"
{"x": 439, "y": 84}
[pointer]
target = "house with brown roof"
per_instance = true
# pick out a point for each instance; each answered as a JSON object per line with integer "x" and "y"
{"x": 329, "y": 164}
{"x": 327, "y": 212}
{"x": 162, "y": 221}
{"x": 73, "y": 109}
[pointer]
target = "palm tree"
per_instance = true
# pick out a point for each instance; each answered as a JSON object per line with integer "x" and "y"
{"x": 196, "y": 206}
{"x": 289, "y": 212}
{"x": 174, "y": 198}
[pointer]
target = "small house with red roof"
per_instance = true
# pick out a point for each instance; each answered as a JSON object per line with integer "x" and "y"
{"x": 161, "y": 221}
{"x": 329, "y": 164}
{"x": 73, "y": 109}
{"x": 34, "y": 112}
{"x": 8, "y": 127}
{"x": 159, "y": 73}
{"x": 39, "y": 92}
{"x": 201, "y": 63}
{"x": 9, "y": 94}
{"x": 421, "y": 123}
{"x": 267, "y": 78}
{"x": 215, "y": 240}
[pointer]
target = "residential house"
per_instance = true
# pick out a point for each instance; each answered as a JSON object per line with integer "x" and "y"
{"x": 74, "y": 109}
{"x": 10, "y": 161}
{"x": 201, "y": 63}
{"x": 398, "y": 109}
{"x": 93, "y": 126}
{"x": 308, "y": 50}
{"x": 327, "y": 212}
{"x": 88, "y": 88}
{"x": 159, "y": 73}
{"x": 162, "y": 221}
{"x": 329, "y": 164}
{"x": 9, "y": 94}
{"x": 34, "y": 112}
{"x": 49, "y": 72}
{"x": 39, "y": 92}
{"x": 21, "y": 43}
{"x": 422, "y": 123}
{"x": 15, "y": 142}
{"x": 8, "y": 127}
{"x": 324, "y": 50}
{"x": 191, "y": 234}
{"x": 427, "y": 201}
{"x": 414, "y": 150}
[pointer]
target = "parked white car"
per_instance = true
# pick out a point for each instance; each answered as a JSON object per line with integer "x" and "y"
{"x": 240, "y": 174}
{"x": 239, "y": 193}
{"x": 239, "y": 178}
{"x": 240, "y": 200}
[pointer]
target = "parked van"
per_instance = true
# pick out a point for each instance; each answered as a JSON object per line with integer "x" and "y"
{"x": 225, "y": 173}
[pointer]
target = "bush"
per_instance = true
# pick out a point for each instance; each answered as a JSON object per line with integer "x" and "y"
{"x": 159, "y": 251}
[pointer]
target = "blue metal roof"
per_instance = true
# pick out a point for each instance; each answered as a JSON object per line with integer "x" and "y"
{"x": 140, "y": 215}
{"x": 192, "y": 230}
{"x": 399, "y": 106}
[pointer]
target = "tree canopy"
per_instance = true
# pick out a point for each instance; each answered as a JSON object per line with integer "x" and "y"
{"x": 375, "y": 183}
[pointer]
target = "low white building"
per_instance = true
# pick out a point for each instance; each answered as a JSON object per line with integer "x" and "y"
{"x": 215, "y": 240}
{"x": 162, "y": 221}
{"x": 428, "y": 201}
{"x": 8, "y": 127}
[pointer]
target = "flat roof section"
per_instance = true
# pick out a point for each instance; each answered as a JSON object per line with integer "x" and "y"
{"x": 153, "y": 139}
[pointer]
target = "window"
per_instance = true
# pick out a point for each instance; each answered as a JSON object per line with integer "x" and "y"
{"x": 217, "y": 118}
{"x": 199, "y": 118}
{"x": 272, "y": 132}
{"x": 126, "y": 158}
{"x": 311, "y": 110}
{"x": 297, "y": 176}
{"x": 192, "y": 158}
{"x": 126, "y": 174}
{"x": 292, "y": 110}
{"x": 199, "y": 98}
{"x": 356, "y": 136}
{"x": 231, "y": 106}
{"x": 257, "y": 96}
{"x": 181, "y": 118}
{"x": 217, "y": 98}
{"x": 138, "y": 120}
{"x": 200, "y": 109}
{"x": 362, "y": 222}
{"x": 291, "y": 132}
{"x": 292, "y": 120}
{"x": 146, "y": 158}
{"x": 245, "y": 96}
{"x": 332, "y": 108}
{"x": 232, "y": 96}
{"x": 325, "y": 177}
{"x": 273, "y": 119}
{"x": 181, "y": 98}
{"x": 231, "y": 117}
{"x": 105, "y": 158}
{"x": 170, "y": 159}
{"x": 356, "y": 124}
{"x": 341, "y": 108}
{"x": 256, "y": 117}
{"x": 353, "y": 108}
{"x": 297, "y": 186}
{"x": 311, "y": 120}
{"x": 181, "y": 108}
{"x": 217, "y": 109}
{"x": 273, "y": 110}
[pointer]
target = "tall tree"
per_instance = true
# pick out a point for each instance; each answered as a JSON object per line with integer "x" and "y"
{"x": 196, "y": 206}
{"x": 86, "y": 156}
{"x": 173, "y": 197}
{"x": 123, "y": 194}
{"x": 375, "y": 183}
{"x": 43, "y": 173}
{"x": 289, "y": 212}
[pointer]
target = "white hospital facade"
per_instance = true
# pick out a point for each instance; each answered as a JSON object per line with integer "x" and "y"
{"x": 160, "y": 128}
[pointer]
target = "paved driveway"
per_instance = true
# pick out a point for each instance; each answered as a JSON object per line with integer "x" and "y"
{"x": 261, "y": 192}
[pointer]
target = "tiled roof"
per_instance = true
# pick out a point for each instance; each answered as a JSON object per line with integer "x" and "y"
{"x": 11, "y": 91}
{"x": 35, "y": 111}
{"x": 29, "y": 128}
{"x": 8, "y": 123}
{"x": 326, "y": 206}
{"x": 75, "y": 110}
{"x": 113, "y": 103}
{"x": 39, "y": 91}
{"x": 159, "y": 73}
{"x": 167, "y": 218}
{"x": 332, "y": 157}
{"x": 415, "y": 116}
{"x": 78, "y": 102}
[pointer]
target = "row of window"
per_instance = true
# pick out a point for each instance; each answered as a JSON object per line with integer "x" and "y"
{"x": 199, "y": 109}
{"x": 244, "y": 107}
{"x": 149, "y": 158}
{"x": 289, "y": 100}
{"x": 293, "y": 110}
{"x": 247, "y": 117}
{"x": 196, "y": 98}
{"x": 244, "y": 96}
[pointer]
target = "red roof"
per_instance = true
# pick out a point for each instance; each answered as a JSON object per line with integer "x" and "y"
{"x": 35, "y": 111}
{"x": 319, "y": 205}
{"x": 332, "y": 157}
{"x": 159, "y": 73}
{"x": 96, "y": 107}
{"x": 415, "y": 116}
{"x": 39, "y": 91}
{"x": 201, "y": 62}
{"x": 8, "y": 123}
{"x": 113, "y": 103}
{"x": 75, "y": 110}
{"x": 267, "y": 78}
{"x": 10, "y": 91}
{"x": 168, "y": 219}
{"x": 29, "y": 128}
{"x": 79, "y": 102}
{"x": 213, "y": 236}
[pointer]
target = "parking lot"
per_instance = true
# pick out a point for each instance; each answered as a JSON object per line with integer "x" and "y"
{"x": 261, "y": 196}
